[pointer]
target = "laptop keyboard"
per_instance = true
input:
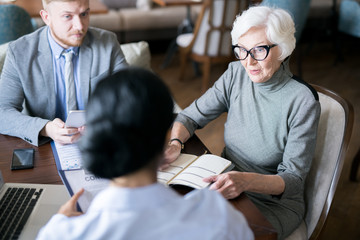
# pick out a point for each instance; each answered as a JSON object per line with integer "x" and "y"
{"x": 15, "y": 208}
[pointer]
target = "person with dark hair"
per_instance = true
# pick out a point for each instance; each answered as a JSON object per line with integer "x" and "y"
{"x": 128, "y": 121}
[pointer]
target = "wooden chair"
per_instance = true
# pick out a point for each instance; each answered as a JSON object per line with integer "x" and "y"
{"x": 211, "y": 41}
{"x": 334, "y": 132}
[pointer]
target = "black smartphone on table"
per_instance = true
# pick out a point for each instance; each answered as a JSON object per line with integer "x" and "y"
{"x": 22, "y": 158}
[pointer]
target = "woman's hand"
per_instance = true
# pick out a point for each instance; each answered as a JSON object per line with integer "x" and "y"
{"x": 230, "y": 184}
{"x": 171, "y": 153}
{"x": 69, "y": 208}
{"x": 173, "y": 149}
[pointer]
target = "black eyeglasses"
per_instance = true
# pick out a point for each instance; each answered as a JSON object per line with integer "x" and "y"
{"x": 258, "y": 53}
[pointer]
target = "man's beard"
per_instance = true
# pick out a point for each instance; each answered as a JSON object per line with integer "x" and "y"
{"x": 67, "y": 42}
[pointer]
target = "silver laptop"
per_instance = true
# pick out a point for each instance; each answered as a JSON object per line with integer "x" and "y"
{"x": 23, "y": 218}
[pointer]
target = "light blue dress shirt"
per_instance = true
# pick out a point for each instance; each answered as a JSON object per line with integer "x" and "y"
{"x": 59, "y": 70}
{"x": 152, "y": 212}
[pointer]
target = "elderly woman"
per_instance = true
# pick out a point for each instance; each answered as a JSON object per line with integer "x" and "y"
{"x": 272, "y": 120}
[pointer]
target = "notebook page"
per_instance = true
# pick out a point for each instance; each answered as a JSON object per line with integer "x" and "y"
{"x": 205, "y": 166}
{"x": 175, "y": 167}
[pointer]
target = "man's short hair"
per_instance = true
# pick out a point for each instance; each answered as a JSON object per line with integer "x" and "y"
{"x": 127, "y": 119}
{"x": 46, "y": 2}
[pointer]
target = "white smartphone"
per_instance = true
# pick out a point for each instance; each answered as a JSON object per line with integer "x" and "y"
{"x": 75, "y": 119}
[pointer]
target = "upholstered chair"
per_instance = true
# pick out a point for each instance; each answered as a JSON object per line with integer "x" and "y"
{"x": 299, "y": 10}
{"x": 334, "y": 132}
{"x": 348, "y": 23}
{"x": 349, "y": 17}
{"x": 3, "y": 48}
{"x": 14, "y": 23}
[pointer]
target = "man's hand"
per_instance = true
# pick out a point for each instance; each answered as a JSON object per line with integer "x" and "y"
{"x": 69, "y": 208}
{"x": 56, "y": 130}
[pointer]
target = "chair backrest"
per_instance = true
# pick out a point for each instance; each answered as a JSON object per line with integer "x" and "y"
{"x": 14, "y": 23}
{"x": 3, "y": 49}
{"x": 349, "y": 17}
{"x": 334, "y": 132}
{"x": 212, "y": 30}
{"x": 299, "y": 10}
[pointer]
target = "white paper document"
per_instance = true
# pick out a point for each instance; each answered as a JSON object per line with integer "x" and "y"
{"x": 67, "y": 157}
{"x": 69, "y": 165}
{"x": 77, "y": 179}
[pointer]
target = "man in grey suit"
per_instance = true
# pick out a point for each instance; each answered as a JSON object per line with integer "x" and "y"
{"x": 33, "y": 89}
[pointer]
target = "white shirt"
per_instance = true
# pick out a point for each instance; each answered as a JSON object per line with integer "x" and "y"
{"x": 152, "y": 212}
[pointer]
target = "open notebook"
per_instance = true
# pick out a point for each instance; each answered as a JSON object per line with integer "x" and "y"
{"x": 190, "y": 170}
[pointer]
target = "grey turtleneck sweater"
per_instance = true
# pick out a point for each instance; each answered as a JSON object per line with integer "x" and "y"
{"x": 270, "y": 129}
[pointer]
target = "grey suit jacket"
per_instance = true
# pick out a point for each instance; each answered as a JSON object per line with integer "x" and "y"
{"x": 27, "y": 85}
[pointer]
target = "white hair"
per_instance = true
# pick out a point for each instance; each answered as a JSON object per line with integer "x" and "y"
{"x": 280, "y": 27}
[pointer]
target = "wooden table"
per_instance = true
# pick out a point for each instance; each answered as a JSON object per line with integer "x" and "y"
{"x": 45, "y": 171}
{"x": 33, "y": 7}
